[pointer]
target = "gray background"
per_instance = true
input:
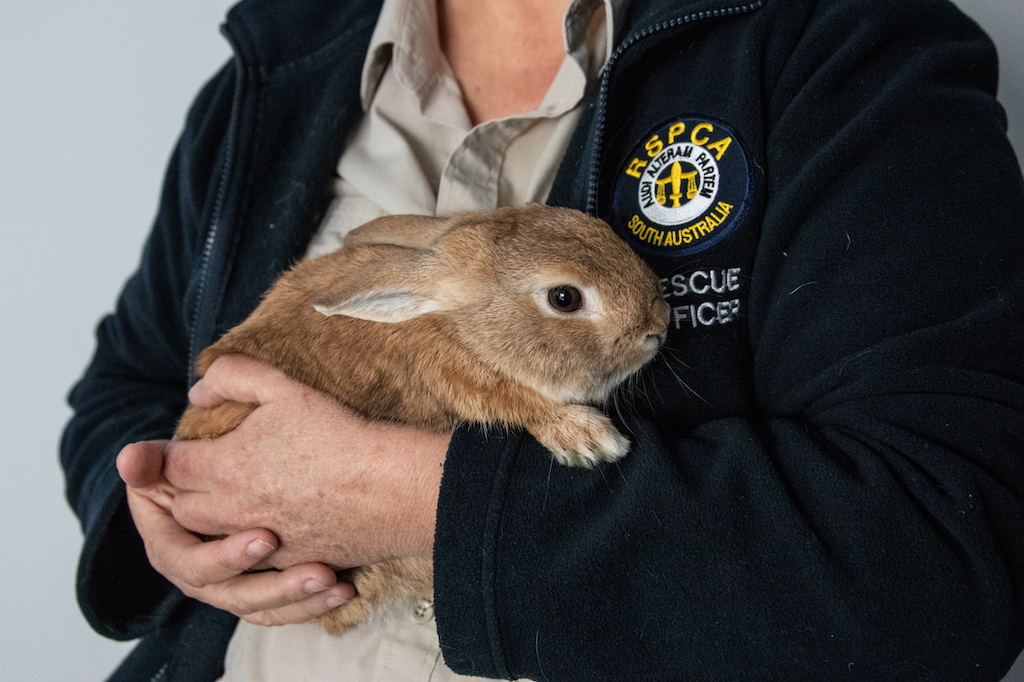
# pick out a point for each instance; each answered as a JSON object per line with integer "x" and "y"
{"x": 92, "y": 97}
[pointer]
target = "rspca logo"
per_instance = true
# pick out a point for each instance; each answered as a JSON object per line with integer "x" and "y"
{"x": 683, "y": 187}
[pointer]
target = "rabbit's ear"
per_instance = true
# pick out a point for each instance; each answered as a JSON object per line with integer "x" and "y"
{"x": 396, "y": 289}
{"x": 381, "y": 305}
{"x": 410, "y": 231}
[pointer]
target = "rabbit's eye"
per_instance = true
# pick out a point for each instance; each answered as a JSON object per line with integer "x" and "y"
{"x": 565, "y": 299}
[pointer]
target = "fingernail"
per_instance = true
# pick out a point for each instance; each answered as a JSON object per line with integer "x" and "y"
{"x": 334, "y": 602}
{"x": 313, "y": 586}
{"x": 257, "y": 549}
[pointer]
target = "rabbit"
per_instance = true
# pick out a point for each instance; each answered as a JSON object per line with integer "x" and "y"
{"x": 520, "y": 317}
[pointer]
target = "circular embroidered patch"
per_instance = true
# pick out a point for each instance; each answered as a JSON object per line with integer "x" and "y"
{"x": 682, "y": 188}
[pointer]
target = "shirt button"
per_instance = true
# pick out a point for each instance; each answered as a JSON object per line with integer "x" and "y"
{"x": 423, "y": 611}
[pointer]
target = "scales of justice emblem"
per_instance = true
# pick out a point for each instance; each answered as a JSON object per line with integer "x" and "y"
{"x": 667, "y": 175}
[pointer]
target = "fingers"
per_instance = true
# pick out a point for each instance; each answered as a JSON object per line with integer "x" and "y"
{"x": 186, "y": 560}
{"x": 214, "y": 572}
{"x": 237, "y": 378}
{"x": 139, "y": 464}
{"x": 295, "y": 595}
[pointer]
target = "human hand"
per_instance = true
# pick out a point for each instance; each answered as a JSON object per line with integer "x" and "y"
{"x": 333, "y": 487}
{"x": 214, "y": 572}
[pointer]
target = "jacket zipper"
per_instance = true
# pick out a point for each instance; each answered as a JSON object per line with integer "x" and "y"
{"x": 218, "y": 207}
{"x": 602, "y": 93}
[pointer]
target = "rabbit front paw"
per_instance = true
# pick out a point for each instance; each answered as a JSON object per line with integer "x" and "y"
{"x": 579, "y": 435}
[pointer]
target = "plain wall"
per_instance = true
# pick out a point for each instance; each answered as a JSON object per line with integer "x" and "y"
{"x": 92, "y": 97}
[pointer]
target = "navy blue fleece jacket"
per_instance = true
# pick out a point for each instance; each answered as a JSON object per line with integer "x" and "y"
{"x": 827, "y": 473}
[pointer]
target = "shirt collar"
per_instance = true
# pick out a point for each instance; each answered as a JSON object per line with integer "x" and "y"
{"x": 406, "y": 34}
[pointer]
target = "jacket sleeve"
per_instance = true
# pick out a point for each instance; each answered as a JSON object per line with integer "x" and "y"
{"x": 864, "y": 519}
{"x": 136, "y": 385}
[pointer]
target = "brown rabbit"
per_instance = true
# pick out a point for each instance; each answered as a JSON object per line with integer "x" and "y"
{"x": 521, "y": 317}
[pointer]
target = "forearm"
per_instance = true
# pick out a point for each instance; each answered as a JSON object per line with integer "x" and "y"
{"x": 117, "y": 588}
{"x": 786, "y": 549}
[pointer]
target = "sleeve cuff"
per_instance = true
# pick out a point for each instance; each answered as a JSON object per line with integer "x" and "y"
{"x": 120, "y": 594}
{"x": 473, "y": 490}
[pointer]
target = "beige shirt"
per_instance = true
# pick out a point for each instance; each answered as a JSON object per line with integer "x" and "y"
{"x": 415, "y": 151}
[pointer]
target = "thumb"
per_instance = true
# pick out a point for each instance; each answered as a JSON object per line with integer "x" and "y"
{"x": 141, "y": 464}
{"x": 235, "y": 378}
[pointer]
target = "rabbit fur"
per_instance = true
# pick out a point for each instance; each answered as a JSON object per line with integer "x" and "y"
{"x": 434, "y": 322}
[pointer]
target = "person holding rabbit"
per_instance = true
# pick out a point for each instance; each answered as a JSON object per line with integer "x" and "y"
{"x": 824, "y": 478}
